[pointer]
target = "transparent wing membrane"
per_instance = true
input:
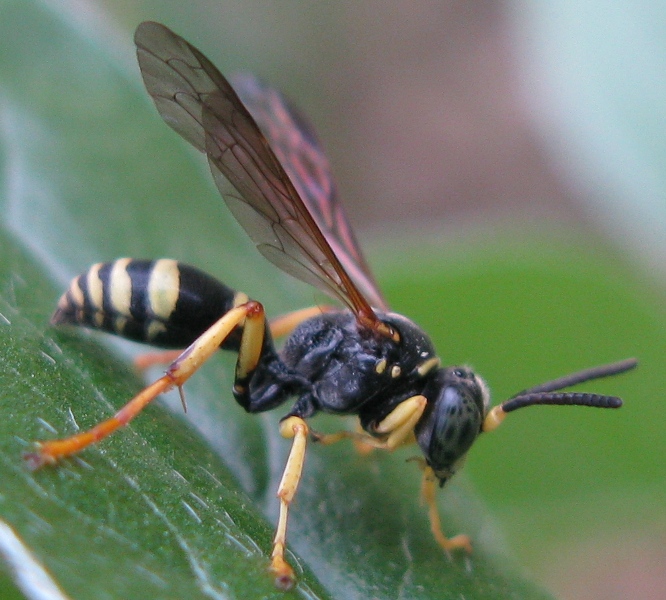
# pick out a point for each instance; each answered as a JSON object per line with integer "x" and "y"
{"x": 301, "y": 230}
{"x": 298, "y": 149}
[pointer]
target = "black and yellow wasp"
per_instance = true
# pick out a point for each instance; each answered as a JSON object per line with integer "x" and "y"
{"x": 360, "y": 360}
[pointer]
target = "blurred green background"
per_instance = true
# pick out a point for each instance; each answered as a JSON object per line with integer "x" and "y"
{"x": 503, "y": 168}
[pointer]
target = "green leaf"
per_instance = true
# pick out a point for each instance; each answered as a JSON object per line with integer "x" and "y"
{"x": 175, "y": 507}
{"x": 151, "y": 512}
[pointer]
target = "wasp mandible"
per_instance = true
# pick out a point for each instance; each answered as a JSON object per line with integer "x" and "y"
{"x": 358, "y": 360}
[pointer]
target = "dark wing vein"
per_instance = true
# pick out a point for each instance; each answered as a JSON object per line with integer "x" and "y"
{"x": 294, "y": 141}
{"x": 198, "y": 102}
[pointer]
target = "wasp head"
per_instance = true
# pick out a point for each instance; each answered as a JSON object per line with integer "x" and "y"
{"x": 458, "y": 401}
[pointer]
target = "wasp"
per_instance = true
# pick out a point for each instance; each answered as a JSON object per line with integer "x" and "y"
{"x": 361, "y": 359}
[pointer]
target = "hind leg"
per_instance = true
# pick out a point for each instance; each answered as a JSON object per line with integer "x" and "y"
{"x": 250, "y": 315}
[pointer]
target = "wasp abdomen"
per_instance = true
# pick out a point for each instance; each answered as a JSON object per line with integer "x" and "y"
{"x": 161, "y": 302}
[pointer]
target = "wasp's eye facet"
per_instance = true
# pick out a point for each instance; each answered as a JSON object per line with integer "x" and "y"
{"x": 454, "y": 421}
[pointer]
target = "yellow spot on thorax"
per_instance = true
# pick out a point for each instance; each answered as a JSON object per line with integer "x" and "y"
{"x": 428, "y": 365}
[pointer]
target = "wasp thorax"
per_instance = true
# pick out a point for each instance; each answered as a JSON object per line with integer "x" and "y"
{"x": 458, "y": 402}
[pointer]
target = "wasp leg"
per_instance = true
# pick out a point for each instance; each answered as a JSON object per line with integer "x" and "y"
{"x": 252, "y": 313}
{"x": 398, "y": 429}
{"x": 285, "y": 324}
{"x": 363, "y": 441}
{"x": 400, "y": 422}
{"x": 296, "y": 428}
{"x": 251, "y": 345}
{"x": 153, "y": 359}
{"x": 395, "y": 430}
{"x": 428, "y": 491}
{"x": 361, "y": 447}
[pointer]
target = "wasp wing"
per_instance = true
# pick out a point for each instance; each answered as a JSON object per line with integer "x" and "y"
{"x": 294, "y": 142}
{"x": 195, "y": 100}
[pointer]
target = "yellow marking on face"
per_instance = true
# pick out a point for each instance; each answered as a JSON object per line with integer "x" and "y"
{"x": 380, "y": 367}
{"x": 395, "y": 371}
{"x": 428, "y": 365}
{"x": 154, "y": 328}
{"x": 95, "y": 287}
{"x": 240, "y": 298}
{"x": 164, "y": 287}
{"x": 120, "y": 287}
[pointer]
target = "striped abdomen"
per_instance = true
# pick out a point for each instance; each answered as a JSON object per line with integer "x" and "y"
{"x": 161, "y": 302}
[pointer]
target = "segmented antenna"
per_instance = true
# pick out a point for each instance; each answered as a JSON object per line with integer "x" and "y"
{"x": 546, "y": 392}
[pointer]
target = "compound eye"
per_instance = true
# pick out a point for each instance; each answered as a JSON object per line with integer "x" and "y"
{"x": 451, "y": 427}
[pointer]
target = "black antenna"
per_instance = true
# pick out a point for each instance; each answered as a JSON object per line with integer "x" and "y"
{"x": 545, "y": 393}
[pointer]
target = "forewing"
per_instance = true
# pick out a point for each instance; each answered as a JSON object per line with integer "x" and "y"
{"x": 295, "y": 144}
{"x": 197, "y": 101}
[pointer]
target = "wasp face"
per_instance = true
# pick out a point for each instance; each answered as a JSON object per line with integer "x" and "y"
{"x": 458, "y": 402}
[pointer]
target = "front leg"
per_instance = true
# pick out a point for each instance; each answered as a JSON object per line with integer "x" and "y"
{"x": 429, "y": 486}
{"x": 396, "y": 429}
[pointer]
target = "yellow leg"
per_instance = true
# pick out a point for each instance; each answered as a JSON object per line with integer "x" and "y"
{"x": 296, "y": 428}
{"x": 178, "y": 373}
{"x": 395, "y": 430}
{"x": 400, "y": 422}
{"x": 428, "y": 490}
{"x": 252, "y": 341}
{"x": 285, "y": 324}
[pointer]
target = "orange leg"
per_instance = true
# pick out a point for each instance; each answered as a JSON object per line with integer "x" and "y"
{"x": 153, "y": 359}
{"x": 187, "y": 363}
{"x": 49, "y": 452}
{"x": 428, "y": 490}
{"x": 395, "y": 430}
